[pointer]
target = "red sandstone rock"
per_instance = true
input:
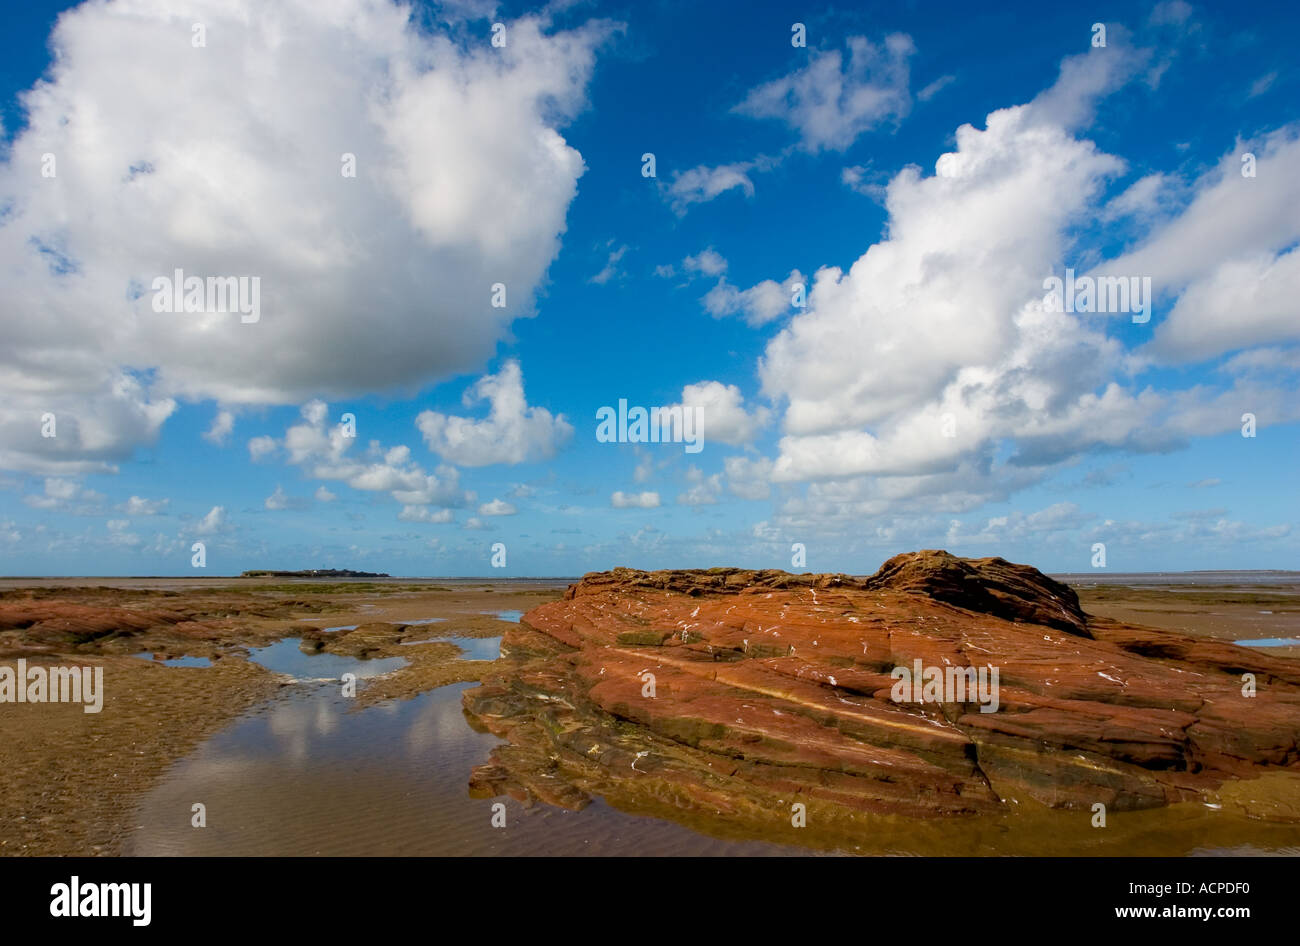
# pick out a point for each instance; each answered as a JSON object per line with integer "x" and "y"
{"x": 769, "y": 686}
{"x": 48, "y": 625}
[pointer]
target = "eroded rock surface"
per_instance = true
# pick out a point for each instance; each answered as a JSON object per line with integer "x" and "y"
{"x": 771, "y": 688}
{"x": 104, "y": 621}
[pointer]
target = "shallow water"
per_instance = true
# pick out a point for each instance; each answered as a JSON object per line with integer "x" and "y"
{"x": 176, "y": 661}
{"x": 307, "y": 777}
{"x": 511, "y": 616}
{"x": 1271, "y": 642}
{"x": 478, "y": 648}
{"x": 475, "y": 648}
{"x": 284, "y": 657}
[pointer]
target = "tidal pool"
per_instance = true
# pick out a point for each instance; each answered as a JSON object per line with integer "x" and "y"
{"x": 478, "y": 648}
{"x": 304, "y": 777}
{"x": 475, "y": 648}
{"x": 284, "y": 657}
{"x": 176, "y": 661}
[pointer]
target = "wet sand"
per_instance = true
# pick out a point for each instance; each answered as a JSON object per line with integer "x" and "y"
{"x": 1219, "y": 612}
{"x": 70, "y": 780}
{"x": 67, "y": 777}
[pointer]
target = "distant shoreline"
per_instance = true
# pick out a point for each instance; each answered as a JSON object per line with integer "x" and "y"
{"x": 311, "y": 573}
{"x": 347, "y": 575}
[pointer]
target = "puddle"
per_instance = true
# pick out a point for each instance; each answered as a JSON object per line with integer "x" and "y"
{"x": 306, "y": 777}
{"x": 478, "y": 648}
{"x": 421, "y": 621}
{"x": 511, "y": 616}
{"x": 1271, "y": 642}
{"x": 475, "y": 648}
{"x": 285, "y": 657}
{"x": 177, "y": 661}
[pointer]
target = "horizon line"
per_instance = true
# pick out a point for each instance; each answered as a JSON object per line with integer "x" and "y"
{"x": 1099, "y": 573}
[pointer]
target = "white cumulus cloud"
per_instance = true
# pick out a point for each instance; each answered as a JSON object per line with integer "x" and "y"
{"x": 831, "y": 102}
{"x": 622, "y": 500}
{"x": 512, "y": 432}
{"x": 221, "y": 427}
{"x": 722, "y": 412}
{"x": 230, "y": 160}
{"x": 497, "y": 507}
{"x": 213, "y": 522}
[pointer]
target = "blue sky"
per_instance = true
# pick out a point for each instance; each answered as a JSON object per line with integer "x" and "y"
{"x": 920, "y": 169}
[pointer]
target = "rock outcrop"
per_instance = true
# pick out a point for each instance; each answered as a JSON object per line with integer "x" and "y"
{"x": 736, "y": 693}
{"x": 101, "y": 621}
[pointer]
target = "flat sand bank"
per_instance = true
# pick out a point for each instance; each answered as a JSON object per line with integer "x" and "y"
{"x": 69, "y": 779}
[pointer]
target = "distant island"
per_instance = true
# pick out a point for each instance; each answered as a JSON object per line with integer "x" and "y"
{"x": 312, "y": 573}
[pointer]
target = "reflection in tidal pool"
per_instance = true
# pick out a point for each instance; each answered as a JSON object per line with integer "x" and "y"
{"x": 478, "y": 648}
{"x": 285, "y": 657}
{"x": 306, "y": 776}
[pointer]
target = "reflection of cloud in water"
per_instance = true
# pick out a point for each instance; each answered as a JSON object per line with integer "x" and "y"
{"x": 441, "y": 723}
{"x": 302, "y": 723}
{"x": 303, "y": 726}
{"x": 291, "y": 723}
{"x": 284, "y": 657}
{"x": 213, "y": 770}
{"x": 309, "y": 776}
{"x": 327, "y": 720}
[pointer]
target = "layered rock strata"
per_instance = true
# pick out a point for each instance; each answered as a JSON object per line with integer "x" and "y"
{"x": 736, "y": 693}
